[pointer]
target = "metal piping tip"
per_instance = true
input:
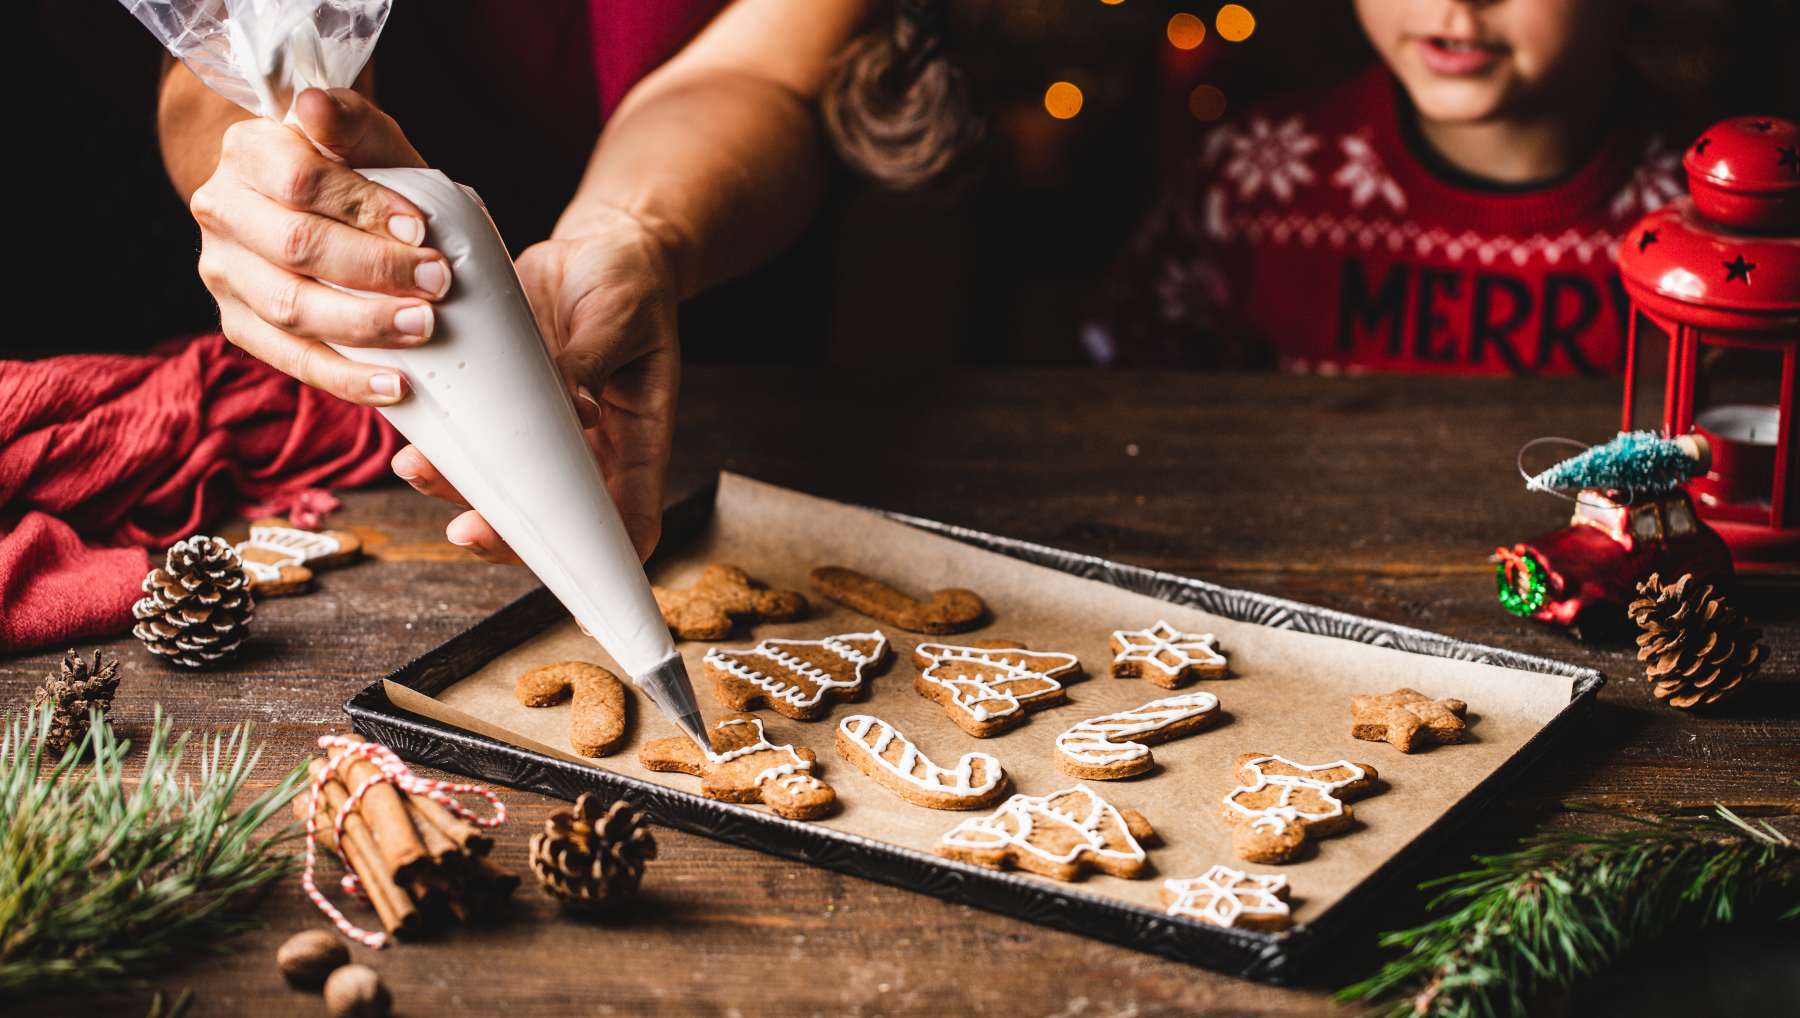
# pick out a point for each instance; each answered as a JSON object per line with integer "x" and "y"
{"x": 667, "y": 685}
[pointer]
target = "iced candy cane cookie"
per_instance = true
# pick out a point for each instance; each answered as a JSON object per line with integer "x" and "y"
{"x": 1223, "y": 896}
{"x": 744, "y": 766}
{"x": 721, "y": 597}
{"x": 1278, "y": 803}
{"x": 880, "y": 751}
{"x": 1165, "y": 655}
{"x": 1057, "y": 835}
{"x": 796, "y": 678}
{"x": 597, "y": 707}
{"x": 951, "y": 610}
{"x": 989, "y": 686}
{"x": 1117, "y": 745}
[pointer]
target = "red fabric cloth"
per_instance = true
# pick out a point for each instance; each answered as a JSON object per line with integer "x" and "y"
{"x": 102, "y": 457}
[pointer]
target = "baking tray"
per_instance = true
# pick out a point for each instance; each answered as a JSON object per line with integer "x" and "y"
{"x": 1272, "y": 957}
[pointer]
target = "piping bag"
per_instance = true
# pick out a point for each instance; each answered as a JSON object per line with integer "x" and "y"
{"x": 486, "y": 404}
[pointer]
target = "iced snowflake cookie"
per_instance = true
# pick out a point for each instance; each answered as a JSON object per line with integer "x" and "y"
{"x": 1226, "y": 897}
{"x": 1117, "y": 745}
{"x": 946, "y": 611}
{"x": 723, "y": 596}
{"x": 1059, "y": 835}
{"x": 799, "y": 679}
{"x": 1278, "y": 803}
{"x": 280, "y": 559}
{"x": 1165, "y": 656}
{"x": 1406, "y": 718}
{"x": 879, "y": 750}
{"x": 597, "y": 702}
{"x": 744, "y": 766}
{"x": 988, "y": 686}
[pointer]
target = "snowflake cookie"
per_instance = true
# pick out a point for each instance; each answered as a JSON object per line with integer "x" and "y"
{"x": 1223, "y": 896}
{"x": 1166, "y": 656}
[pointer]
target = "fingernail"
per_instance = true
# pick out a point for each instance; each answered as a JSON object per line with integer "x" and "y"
{"x": 415, "y": 320}
{"x": 386, "y": 386}
{"x": 407, "y": 229}
{"x": 406, "y": 464}
{"x": 588, "y": 409}
{"x": 433, "y": 277}
{"x": 450, "y": 534}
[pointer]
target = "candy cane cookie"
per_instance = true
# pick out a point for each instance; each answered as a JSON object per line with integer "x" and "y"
{"x": 989, "y": 686}
{"x": 1114, "y": 746}
{"x": 1278, "y": 803}
{"x": 744, "y": 766}
{"x": 879, "y": 750}
{"x": 1059, "y": 835}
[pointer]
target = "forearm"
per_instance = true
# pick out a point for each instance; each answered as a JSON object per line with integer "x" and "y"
{"x": 190, "y": 121}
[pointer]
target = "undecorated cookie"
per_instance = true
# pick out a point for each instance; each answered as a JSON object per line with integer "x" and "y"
{"x": 953, "y": 610}
{"x": 1060, "y": 835}
{"x": 879, "y": 750}
{"x": 799, "y": 679}
{"x": 1164, "y": 655}
{"x": 1117, "y": 745}
{"x": 1406, "y": 718}
{"x": 1226, "y": 897}
{"x": 744, "y": 766}
{"x": 722, "y": 596}
{"x": 597, "y": 702}
{"x": 987, "y": 687}
{"x": 1278, "y": 803}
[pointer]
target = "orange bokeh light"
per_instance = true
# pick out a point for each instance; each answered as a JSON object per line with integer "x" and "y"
{"x": 1062, "y": 100}
{"x": 1206, "y": 103}
{"x": 1235, "y": 22}
{"x": 1186, "y": 31}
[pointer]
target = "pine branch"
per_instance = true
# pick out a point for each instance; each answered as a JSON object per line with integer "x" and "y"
{"x": 1567, "y": 904}
{"x": 102, "y": 879}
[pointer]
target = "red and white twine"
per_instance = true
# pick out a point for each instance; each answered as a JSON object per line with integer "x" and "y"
{"x": 391, "y": 771}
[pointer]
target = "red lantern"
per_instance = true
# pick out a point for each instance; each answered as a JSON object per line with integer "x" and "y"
{"x": 1714, "y": 282}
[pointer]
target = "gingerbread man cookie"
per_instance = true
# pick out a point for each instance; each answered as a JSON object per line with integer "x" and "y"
{"x": 722, "y": 596}
{"x": 597, "y": 702}
{"x": 280, "y": 559}
{"x": 1117, "y": 745}
{"x": 879, "y": 750}
{"x": 1057, "y": 835}
{"x": 989, "y": 686}
{"x": 1166, "y": 656}
{"x": 1278, "y": 803}
{"x": 1226, "y": 897}
{"x": 1405, "y": 718}
{"x": 744, "y": 766}
{"x": 946, "y": 611}
{"x": 796, "y": 678}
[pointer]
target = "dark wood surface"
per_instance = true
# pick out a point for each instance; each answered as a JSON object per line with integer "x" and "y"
{"x": 1376, "y": 496}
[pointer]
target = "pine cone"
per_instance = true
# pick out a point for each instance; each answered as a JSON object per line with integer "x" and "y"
{"x": 78, "y": 687}
{"x": 589, "y": 860}
{"x": 1699, "y": 648}
{"x": 197, "y": 607}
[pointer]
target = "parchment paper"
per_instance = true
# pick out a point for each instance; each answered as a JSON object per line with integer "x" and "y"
{"x": 1288, "y": 693}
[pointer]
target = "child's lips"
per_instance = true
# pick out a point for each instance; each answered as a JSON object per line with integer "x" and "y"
{"x": 1446, "y": 55}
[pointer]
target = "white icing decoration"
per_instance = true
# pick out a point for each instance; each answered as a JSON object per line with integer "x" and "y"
{"x": 794, "y": 774}
{"x": 1276, "y": 818}
{"x": 1107, "y": 739}
{"x": 282, "y": 547}
{"x": 1220, "y": 896}
{"x": 772, "y": 650}
{"x": 1146, "y": 646}
{"x": 979, "y": 696}
{"x": 914, "y": 767}
{"x": 1013, "y": 823}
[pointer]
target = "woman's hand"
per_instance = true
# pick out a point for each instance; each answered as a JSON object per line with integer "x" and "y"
{"x": 605, "y": 298}
{"x": 276, "y": 216}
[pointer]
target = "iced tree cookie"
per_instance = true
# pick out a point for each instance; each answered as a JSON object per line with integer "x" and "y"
{"x": 1226, "y": 897}
{"x": 988, "y": 687}
{"x": 1166, "y": 656}
{"x": 597, "y": 702}
{"x": 280, "y": 559}
{"x": 1059, "y": 835}
{"x": 879, "y": 750}
{"x": 744, "y": 766}
{"x": 1278, "y": 803}
{"x": 799, "y": 679}
{"x": 952, "y": 610}
{"x": 1117, "y": 745}
{"x": 1406, "y": 718}
{"x": 723, "y": 596}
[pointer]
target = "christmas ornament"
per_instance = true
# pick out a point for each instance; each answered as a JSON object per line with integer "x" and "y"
{"x": 72, "y": 694}
{"x": 1636, "y": 462}
{"x": 1699, "y": 648}
{"x": 196, "y": 608}
{"x": 592, "y": 860}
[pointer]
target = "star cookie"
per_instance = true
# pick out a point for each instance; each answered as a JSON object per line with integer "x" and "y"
{"x": 1226, "y": 897}
{"x": 796, "y": 678}
{"x": 1166, "y": 656}
{"x": 1278, "y": 803}
{"x": 721, "y": 597}
{"x": 988, "y": 687}
{"x": 744, "y": 766}
{"x": 1059, "y": 835}
{"x": 1405, "y": 718}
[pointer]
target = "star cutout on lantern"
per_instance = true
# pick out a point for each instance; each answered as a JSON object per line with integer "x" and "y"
{"x": 1738, "y": 268}
{"x": 1762, "y": 126}
{"x": 1700, "y": 146}
{"x": 1790, "y": 159}
{"x": 1648, "y": 238}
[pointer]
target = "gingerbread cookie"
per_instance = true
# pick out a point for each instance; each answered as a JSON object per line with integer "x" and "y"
{"x": 280, "y": 559}
{"x": 796, "y": 677}
{"x": 1278, "y": 803}
{"x": 1165, "y": 655}
{"x": 988, "y": 687}
{"x": 597, "y": 707}
{"x": 722, "y": 596}
{"x": 1406, "y": 717}
{"x": 1226, "y": 897}
{"x": 1057, "y": 835}
{"x": 744, "y": 766}
{"x": 1117, "y": 745}
{"x": 880, "y": 751}
{"x": 947, "y": 611}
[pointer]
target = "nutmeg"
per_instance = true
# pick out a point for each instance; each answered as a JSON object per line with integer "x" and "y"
{"x": 310, "y": 956}
{"x": 355, "y": 991}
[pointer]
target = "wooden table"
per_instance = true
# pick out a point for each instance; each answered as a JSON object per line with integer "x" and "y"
{"x": 1376, "y": 496}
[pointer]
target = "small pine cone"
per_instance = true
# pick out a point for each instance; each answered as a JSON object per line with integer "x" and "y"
{"x": 1699, "y": 648}
{"x": 197, "y": 607}
{"x": 78, "y": 687}
{"x": 592, "y": 860}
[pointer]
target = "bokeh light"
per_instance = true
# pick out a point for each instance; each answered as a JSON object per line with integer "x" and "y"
{"x": 1112, "y": 3}
{"x": 1062, "y": 100}
{"x": 1206, "y": 103}
{"x": 1186, "y": 31}
{"x": 1235, "y": 22}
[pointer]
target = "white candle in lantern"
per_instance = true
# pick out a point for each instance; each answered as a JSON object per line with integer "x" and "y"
{"x": 1751, "y": 423}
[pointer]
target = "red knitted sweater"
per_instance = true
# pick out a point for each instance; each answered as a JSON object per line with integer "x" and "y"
{"x": 1311, "y": 234}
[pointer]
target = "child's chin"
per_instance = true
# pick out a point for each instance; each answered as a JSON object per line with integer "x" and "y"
{"x": 1459, "y": 100}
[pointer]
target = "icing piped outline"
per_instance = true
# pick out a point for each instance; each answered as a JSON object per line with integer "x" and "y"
{"x": 1226, "y": 903}
{"x": 821, "y": 679}
{"x": 1023, "y": 807}
{"x": 961, "y": 786}
{"x": 1100, "y": 731}
{"x": 793, "y": 776}
{"x": 1277, "y": 817}
{"x": 949, "y": 654}
{"x": 1163, "y": 636}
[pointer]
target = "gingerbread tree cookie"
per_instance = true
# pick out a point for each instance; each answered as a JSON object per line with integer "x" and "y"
{"x": 1166, "y": 656}
{"x": 722, "y": 596}
{"x": 796, "y": 678}
{"x": 879, "y": 750}
{"x": 1059, "y": 835}
{"x": 951, "y": 610}
{"x": 989, "y": 686}
{"x": 597, "y": 702}
{"x": 1278, "y": 803}
{"x": 1117, "y": 745}
{"x": 1226, "y": 897}
{"x": 744, "y": 766}
{"x": 1406, "y": 718}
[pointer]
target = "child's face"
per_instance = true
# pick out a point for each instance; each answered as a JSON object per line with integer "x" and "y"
{"x": 1466, "y": 61}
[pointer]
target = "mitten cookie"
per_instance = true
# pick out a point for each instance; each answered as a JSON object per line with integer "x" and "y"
{"x": 722, "y": 596}
{"x": 1117, "y": 745}
{"x": 1226, "y": 897}
{"x": 947, "y": 611}
{"x": 744, "y": 766}
{"x": 1405, "y": 718}
{"x": 280, "y": 559}
{"x": 796, "y": 677}
{"x": 989, "y": 686}
{"x": 1057, "y": 835}
{"x": 1165, "y": 656}
{"x": 1278, "y": 803}
{"x": 597, "y": 710}
{"x": 880, "y": 751}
